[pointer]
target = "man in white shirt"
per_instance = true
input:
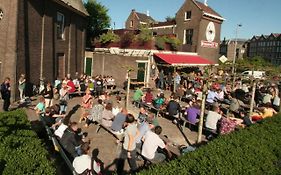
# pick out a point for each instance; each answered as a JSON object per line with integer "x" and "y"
{"x": 151, "y": 142}
{"x": 212, "y": 118}
{"x": 83, "y": 163}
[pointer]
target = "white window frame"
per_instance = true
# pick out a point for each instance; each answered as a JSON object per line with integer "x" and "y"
{"x": 185, "y": 15}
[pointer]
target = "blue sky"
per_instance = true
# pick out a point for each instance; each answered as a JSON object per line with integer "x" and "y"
{"x": 256, "y": 16}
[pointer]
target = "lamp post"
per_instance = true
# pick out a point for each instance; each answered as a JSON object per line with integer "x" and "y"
{"x": 234, "y": 58}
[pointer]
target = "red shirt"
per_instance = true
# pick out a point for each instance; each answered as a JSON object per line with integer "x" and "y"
{"x": 148, "y": 98}
{"x": 71, "y": 85}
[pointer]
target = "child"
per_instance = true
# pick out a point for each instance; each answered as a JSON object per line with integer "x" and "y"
{"x": 86, "y": 105}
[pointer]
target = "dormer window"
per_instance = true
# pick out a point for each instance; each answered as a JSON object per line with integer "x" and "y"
{"x": 187, "y": 15}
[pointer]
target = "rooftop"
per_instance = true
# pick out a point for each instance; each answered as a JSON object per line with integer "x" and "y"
{"x": 76, "y": 5}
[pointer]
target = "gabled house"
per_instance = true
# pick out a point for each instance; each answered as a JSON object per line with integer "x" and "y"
{"x": 199, "y": 28}
{"x": 42, "y": 39}
{"x": 137, "y": 19}
{"x": 196, "y": 25}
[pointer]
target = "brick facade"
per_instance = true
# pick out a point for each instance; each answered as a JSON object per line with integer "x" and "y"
{"x": 35, "y": 39}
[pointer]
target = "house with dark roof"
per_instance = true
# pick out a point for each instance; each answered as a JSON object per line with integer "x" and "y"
{"x": 137, "y": 19}
{"x": 227, "y": 48}
{"x": 266, "y": 46}
{"x": 41, "y": 39}
{"x": 196, "y": 25}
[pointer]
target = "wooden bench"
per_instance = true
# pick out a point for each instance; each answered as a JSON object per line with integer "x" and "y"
{"x": 58, "y": 147}
{"x": 110, "y": 131}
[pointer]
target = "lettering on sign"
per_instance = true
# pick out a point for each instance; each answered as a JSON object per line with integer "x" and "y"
{"x": 209, "y": 44}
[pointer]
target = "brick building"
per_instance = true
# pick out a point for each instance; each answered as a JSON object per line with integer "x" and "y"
{"x": 227, "y": 48}
{"x": 266, "y": 46}
{"x": 196, "y": 25}
{"x": 137, "y": 19}
{"x": 43, "y": 38}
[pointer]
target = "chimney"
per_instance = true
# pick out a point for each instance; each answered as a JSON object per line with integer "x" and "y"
{"x": 205, "y": 3}
{"x": 147, "y": 12}
{"x": 133, "y": 10}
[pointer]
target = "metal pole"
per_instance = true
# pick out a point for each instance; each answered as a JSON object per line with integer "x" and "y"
{"x": 234, "y": 56}
{"x": 204, "y": 94}
{"x": 128, "y": 90}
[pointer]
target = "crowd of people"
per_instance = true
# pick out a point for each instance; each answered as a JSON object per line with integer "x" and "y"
{"x": 227, "y": 108}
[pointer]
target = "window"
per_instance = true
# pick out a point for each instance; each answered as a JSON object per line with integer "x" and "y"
{"x": 188, "y": 34}
{"x": 187, "y": 15}
{"x": 1, "y": 14}
{"x": 131, "y": 23}
{"x": 60, "y": 26}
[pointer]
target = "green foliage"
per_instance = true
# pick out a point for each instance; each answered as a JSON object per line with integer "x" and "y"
{"x": 21, "y": 151}
{"x": 97, "y": 21}
{"x": 174, "y": 43}
{"x": 126, "y": 39}
{"x": 253, "y": 150}
{"x": 170, "y": 18}
{"x": 145, "y": 35}
{"x": 108, "y": 38}
{"x": 160, "y": 43}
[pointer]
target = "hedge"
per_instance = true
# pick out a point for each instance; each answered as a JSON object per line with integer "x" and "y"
{"x": 254, "y": 150}
{"x": 21, "y": 151}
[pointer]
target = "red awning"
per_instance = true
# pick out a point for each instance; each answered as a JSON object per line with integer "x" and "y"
{"x": 184, "y": 60}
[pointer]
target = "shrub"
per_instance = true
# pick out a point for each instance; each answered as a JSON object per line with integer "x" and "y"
{"x": 21, "y": 151}
{"x": 160, "y": 43}
{"x": 253, "y": 150}
{"x": 126, "y": 39}
{"x": 174, "y": 43}
{"x": 145, "y": 35}
{"x": 108, "y": 37}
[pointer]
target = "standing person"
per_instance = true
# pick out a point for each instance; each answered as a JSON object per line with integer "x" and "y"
{"x": 177, "y": 80}
{"x": 48, "y": 95}
{"x": 6, "y": 93}
{"x": 86, "y": 105}
{"x": 22, "y": 86}
{"x": 161, "y": 80}
{"x": 63, "y": 98}
{"x": 129, "y": 146}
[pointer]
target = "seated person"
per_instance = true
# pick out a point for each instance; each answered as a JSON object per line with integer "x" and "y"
{"x": 151, "y": 141}
{"x": 193, "y": 112}
{"x": 51, "y": 118}
{"x": 118, "y": 122}
{"x": 267, "y": 110}
{"x": 95, "y": 113}
{"x": 137, "y": 95}
{"x": 159, "y": 101}
{"x": 71, "y": 140}
{"x": 212, "y": 119}
{"x": 235, "y": 104}
{"x": 212, "y": 95}
{"x": 71, "y": 86}
{"x": 107, "y": 115}
{"x": 82, "y": 163}
{"x": 148, "y": 98}
{"x": 174, "y": 109}
{"x": 40, "y": 107}
{"x": 142, "y": 115}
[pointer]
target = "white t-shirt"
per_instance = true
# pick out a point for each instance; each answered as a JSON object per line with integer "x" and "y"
{"x": 151, "y": 143}
{"x": 212, "y": 120}
{"x": 81, "y": 163}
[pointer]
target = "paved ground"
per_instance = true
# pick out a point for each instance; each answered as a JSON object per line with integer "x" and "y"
{"x": 106, "y": 143}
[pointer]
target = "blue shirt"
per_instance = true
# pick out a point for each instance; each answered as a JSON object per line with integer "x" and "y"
{"x": 212, "y": 96}
{"x": 143, "y": 128}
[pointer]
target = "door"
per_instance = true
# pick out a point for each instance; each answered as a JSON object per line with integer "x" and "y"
{"x": 141, "y": 72}
{"x": 88, "y": 66}
{"x": 60, "y": 65}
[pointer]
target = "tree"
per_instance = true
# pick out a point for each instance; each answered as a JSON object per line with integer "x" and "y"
{"x": 98, "y": 20}
{"x": 170, "y": 18}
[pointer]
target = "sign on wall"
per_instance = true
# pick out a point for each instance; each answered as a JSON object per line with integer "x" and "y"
{"x": 209, "y": 44}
